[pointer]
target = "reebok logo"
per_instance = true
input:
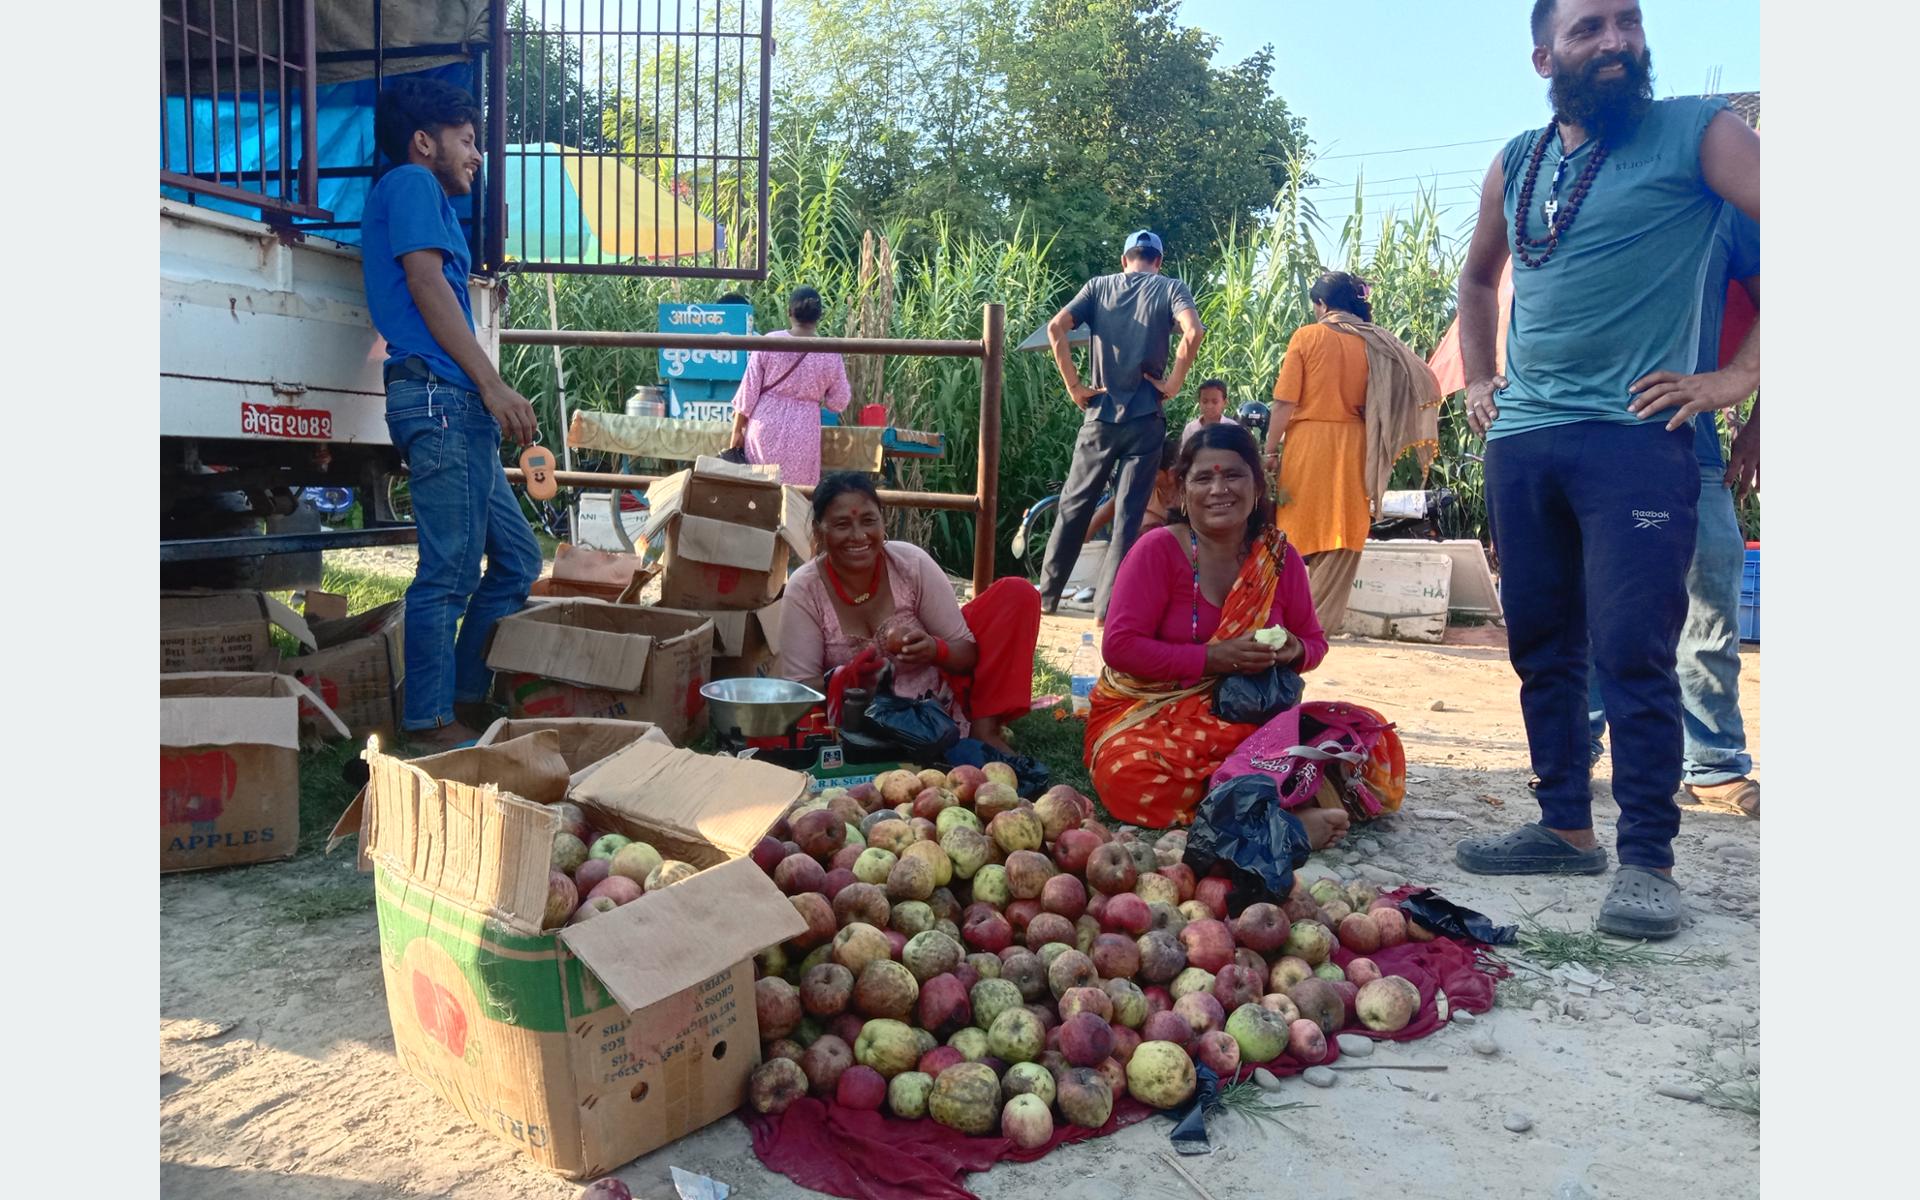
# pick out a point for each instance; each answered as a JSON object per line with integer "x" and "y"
{"x": 1644, "y": 519}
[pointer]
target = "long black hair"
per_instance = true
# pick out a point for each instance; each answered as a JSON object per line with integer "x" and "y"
{"x": 1236, "y": 439}
{"x": 1344, "y": 291}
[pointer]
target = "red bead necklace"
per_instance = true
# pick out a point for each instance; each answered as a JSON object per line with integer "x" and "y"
{"x": 841, "y": 590}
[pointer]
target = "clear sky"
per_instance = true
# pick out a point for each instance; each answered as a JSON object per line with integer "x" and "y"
{"x": 1373, "y": 76}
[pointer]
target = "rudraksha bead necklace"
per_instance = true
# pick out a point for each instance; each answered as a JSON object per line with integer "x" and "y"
{"x": 1524, "y": 247}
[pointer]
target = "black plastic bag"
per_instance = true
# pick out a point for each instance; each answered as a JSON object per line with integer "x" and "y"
{"x": 1257, "y": 699}
{"x": 1033, "y": 775}
{"x": 1242, "y": 823}
{"x": 921, "y": 728}
{"x": 1190, "y": 1120}
{"x": 1444, "y": 916}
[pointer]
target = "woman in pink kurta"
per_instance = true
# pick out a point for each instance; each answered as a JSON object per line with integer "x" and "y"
{"x": 776, "y": 412}
{"x": 862, "y": 591}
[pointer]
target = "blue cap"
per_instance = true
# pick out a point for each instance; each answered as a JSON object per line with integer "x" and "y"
{"x": 1145, "y": 239}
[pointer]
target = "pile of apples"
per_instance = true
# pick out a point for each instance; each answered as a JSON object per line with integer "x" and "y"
{"x": 994, "y": 963}
{"x": 593, "y": 872}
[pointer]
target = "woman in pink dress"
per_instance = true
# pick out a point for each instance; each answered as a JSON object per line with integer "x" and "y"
{"x": 776, "y": 412}
{"x": 863, "y": 591}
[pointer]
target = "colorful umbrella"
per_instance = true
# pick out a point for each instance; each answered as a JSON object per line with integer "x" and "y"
{"x": 564, "y": 205}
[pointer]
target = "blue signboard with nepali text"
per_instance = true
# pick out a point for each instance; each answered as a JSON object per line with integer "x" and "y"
{"x": 716, "y": 364}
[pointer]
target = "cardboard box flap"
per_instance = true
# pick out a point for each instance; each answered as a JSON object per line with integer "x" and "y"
{"x": 796, "y": 522}
{"x": 578, "y": 564}
{"x": 203, "y": 610}
{"x": 473, "y": 844}
{"x": 289, "y": 620}
{"x": 722, "y": 543}
{"x": 530, "y": 766}
{"x": 714, "y": 467}
{"x": 235, "y": 721}
{"x": 770, "y": 618}
{"x": 582, "y": 741}
{"x": 729, "y": 632}
{"x": 236, "y": 708}
{"x": 673, "y": 938}
{"x": 560, "y": 641}
{"x": 663, "y": 503}
{"x": 730, "y": 629}
{"x": 726, "y": 802}
{"x": 375, "y": 621}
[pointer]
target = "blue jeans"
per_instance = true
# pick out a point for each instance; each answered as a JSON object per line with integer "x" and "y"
{"x": 1594, "y": 525}
{"x": 1709, "y": 658}
{"x": 463, "y": 507}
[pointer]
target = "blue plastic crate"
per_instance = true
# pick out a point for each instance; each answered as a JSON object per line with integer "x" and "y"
{"x": 1750, "y": 597}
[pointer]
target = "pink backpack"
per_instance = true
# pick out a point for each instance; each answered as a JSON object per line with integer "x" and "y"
{"x": 1332, "y": 754}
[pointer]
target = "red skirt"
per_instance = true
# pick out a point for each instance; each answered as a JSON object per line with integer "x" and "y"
{"x": 1005, "y": 620}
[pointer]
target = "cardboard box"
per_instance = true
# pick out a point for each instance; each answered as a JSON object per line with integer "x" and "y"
{"x": 729, "y": 533}
{"x": 324, "y": 606}
{"x": 746, "y": 643}
{"x": 224, "y": 631}
{"x": 230, "y": 767}
{"x": 588, "y": 1046}
{"x": 595, "y": 574}
{"x": 585, "y": 742}
{"x": 359, "y": 669}
{"x": 583, "y": 658}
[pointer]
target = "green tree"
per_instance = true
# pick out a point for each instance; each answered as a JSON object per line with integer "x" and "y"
{"x": 1117, "y": 119}
{"x": 551, "y": 95}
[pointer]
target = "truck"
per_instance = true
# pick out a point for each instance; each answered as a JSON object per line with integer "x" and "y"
{"x": 272, "y": 405}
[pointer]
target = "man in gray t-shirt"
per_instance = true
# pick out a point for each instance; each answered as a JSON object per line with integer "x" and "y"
{"x": 1131, "y": 316}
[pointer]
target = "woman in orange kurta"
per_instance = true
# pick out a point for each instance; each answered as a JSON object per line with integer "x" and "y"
{"x": 1329, "y": 482}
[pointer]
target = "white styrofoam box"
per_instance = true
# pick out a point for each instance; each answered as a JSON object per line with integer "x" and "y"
{"x": 1086, "y": 568}
{"x": 1473, "y": 590}
{"x": 596, "y": 523}
{"x": 1401, "y": 596}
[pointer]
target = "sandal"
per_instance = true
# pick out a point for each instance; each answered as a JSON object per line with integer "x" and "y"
{"x": 1528, "y": 850}
{"x": 1641, "y": 904}
{"x": 1738, "y": 797}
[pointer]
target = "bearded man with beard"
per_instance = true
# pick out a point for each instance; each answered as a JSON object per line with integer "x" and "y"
{"x": 1609, "y": 212}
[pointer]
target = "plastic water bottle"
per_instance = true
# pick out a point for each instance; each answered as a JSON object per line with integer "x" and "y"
{"x": 1085, "y": 672}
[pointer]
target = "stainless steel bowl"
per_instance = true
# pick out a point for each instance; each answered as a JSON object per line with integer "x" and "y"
{"x": 758, "y": 707}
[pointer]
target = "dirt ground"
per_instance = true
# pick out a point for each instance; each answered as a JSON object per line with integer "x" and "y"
{"x": 278, "y": 1076}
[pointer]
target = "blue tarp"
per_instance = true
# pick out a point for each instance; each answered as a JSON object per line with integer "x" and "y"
{"x": 344, "y": 121}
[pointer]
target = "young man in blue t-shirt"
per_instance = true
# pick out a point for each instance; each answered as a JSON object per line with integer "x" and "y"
{"x": 446, "y": 409}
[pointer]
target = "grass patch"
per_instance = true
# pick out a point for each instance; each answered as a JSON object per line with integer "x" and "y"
{"x": 1248, "y": 1100}
{"x": 1053, "y": 740}
{"x": 1550, "y": 947}
{"x": 324, "y": 899}
{"x": 324, "y": 792}
{"x": 363, "y": 590}
{"x": 1738, "y": 1091}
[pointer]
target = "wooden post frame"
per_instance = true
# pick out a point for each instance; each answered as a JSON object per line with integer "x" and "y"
{"x": 984, "y": 502}
{"x": 993, "y": 322}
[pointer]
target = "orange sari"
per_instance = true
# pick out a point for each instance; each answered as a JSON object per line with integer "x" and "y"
{"x": 1152, "y": 745}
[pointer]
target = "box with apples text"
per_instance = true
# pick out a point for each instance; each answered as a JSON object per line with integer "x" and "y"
{"x": 230, "y": 766}
{"x": 589, "y": 1045}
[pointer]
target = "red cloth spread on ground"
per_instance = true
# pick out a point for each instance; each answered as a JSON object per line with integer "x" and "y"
{"x": 869, "y": 1156}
